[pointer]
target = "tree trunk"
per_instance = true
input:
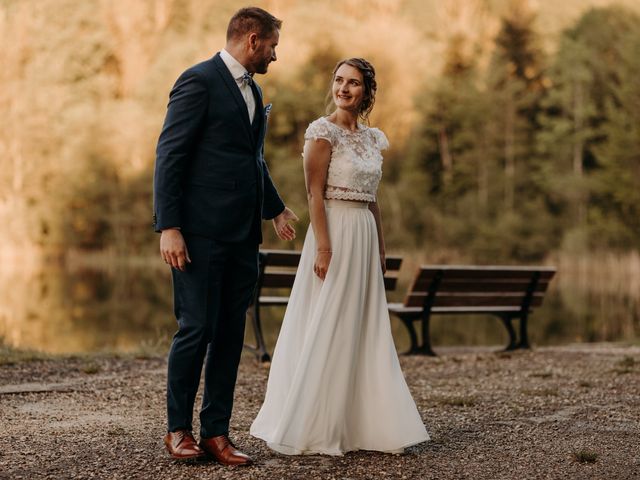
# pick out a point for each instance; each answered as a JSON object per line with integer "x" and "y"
{"x": 483, "y": 176}
{"x": 578, "y": 151}
{"x": 445, "y": 156}
{"x": 509, "y": 154}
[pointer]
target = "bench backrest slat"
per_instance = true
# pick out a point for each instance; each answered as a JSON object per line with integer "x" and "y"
{"x": 473, "y": 300}
{"x": 390, "y": 283}
{"x": 278, "y": 279}
{"x": 280, "y": 269}
{"x": 428, "y": 273}
{"x": 479, "y": 286}
{"x": 281, "y": 258}
{"x": 393, "y": 263}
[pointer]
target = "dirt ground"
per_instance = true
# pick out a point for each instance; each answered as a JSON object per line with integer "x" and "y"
{"x": 570, "y": 412}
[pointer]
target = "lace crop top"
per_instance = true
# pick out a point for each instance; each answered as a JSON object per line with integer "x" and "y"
{"x": 355, "y": 168}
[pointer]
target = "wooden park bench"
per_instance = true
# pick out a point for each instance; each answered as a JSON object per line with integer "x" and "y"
{"x": 277, "y": 271}
{"x": 505, "y": 292}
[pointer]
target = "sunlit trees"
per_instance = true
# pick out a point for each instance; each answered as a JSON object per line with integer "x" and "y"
{"x": 589, "y": 130}
{"x": 506, "y": 144}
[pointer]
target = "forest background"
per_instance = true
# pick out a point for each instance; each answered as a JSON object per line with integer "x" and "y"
{"x": 514, "y": 124}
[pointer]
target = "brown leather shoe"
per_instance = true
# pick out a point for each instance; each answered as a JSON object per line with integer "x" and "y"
{"x": 181, "y": 445}
{"x": 224, "y": 451}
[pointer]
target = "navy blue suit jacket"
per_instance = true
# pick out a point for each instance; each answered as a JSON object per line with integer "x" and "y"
{"x": 210, "y": 175}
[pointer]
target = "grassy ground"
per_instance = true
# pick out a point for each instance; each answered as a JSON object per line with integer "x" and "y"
{"x": 555, "y": 412}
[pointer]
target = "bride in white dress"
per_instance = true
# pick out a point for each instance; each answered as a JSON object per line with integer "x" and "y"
{"x": 335, "y": 383}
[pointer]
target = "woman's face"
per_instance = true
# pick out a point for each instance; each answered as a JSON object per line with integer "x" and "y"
{"x": 348, "y": 88}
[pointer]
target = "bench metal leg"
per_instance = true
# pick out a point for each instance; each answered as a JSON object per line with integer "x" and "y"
{"x": 262, "y": 353}
{"x": 506, "y": 320}
{"x": 413, "y": 336}
{"x": 415, "y": 349}
{"x": 524, "y": 336}
{"x": 260, "y": 348}
{"x": 425, "y": 349}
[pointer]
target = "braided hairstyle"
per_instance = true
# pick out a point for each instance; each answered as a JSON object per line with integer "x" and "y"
{"x": 368, "y": 81}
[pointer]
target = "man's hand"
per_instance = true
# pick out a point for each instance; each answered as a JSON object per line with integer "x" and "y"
{"x": 173, "y": 249}
{"x": 283, "y": 228}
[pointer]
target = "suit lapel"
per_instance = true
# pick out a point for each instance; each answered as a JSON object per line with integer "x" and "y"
{"x": 257, "y": 93}
{"x": 259, "y": 111}
{"x": 231, "y": 84}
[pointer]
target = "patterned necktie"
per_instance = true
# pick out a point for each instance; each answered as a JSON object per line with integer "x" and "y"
{"x": 247, "y": 78}
{"x": 251, "y": 97}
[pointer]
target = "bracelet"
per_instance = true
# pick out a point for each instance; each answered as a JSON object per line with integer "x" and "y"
{"x": 324, "y": 251}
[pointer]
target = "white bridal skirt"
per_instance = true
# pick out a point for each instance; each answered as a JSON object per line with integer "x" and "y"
{"x": 335, "y": 383}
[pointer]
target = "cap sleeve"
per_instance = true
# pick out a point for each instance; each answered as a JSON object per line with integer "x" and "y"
{"x": 319, "y": 129}
{"x": 381, "y": 139}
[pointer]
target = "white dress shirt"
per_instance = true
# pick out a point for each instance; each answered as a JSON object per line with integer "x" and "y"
{"x": 237, "y": 71}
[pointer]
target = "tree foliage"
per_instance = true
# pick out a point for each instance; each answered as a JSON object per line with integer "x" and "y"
{"x": 503, "y": 149}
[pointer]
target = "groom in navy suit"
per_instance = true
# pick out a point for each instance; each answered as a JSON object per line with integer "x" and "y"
{"x": 211, "y": 190}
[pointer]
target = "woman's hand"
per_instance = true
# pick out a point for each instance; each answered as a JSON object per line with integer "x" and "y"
{"x": 383, "y": 262}
{"x": 321, "y": 265}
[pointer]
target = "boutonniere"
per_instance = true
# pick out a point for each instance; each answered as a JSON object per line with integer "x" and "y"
{"x": 267, "y": 110}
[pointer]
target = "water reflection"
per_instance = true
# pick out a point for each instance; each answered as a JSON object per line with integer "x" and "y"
{"x": 85, "y": 310}
{"x": 119, "y": 309}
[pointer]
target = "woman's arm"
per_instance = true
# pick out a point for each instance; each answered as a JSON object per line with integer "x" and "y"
{"x": 375, "y": 209}
{"x": 317, "y": 154}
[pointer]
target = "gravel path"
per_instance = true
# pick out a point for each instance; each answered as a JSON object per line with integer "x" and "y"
{"x": 569, "y": 412}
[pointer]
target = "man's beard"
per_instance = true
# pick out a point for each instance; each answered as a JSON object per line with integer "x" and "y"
{"x": 262, "y": 67}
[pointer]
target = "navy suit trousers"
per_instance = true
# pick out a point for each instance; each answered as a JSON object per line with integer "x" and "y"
{"x": 210, "y": 300}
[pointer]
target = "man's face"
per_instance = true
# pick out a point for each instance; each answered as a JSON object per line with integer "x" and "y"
{"x": 264, "y": 52}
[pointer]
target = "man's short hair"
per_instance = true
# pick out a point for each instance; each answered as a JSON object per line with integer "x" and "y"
{"x": 252, "y": 19}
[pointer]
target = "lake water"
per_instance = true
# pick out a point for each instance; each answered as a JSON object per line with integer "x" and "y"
{"x": 82, "y": 309}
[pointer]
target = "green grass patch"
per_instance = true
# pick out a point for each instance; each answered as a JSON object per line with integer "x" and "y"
{"x": 148, "y": 349}
{"x": 625, "y": 365}
{"x": 11, "y": 356}
{"x": 90, "y": 368}
{"x": 116, "y": 431}
{"x": 627, "y": 362}
{"x": 585, "y": 456}
{"x": 458, "y": 401}
{"x": 541, "y": 392}
{"x": 622, "y": 371}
